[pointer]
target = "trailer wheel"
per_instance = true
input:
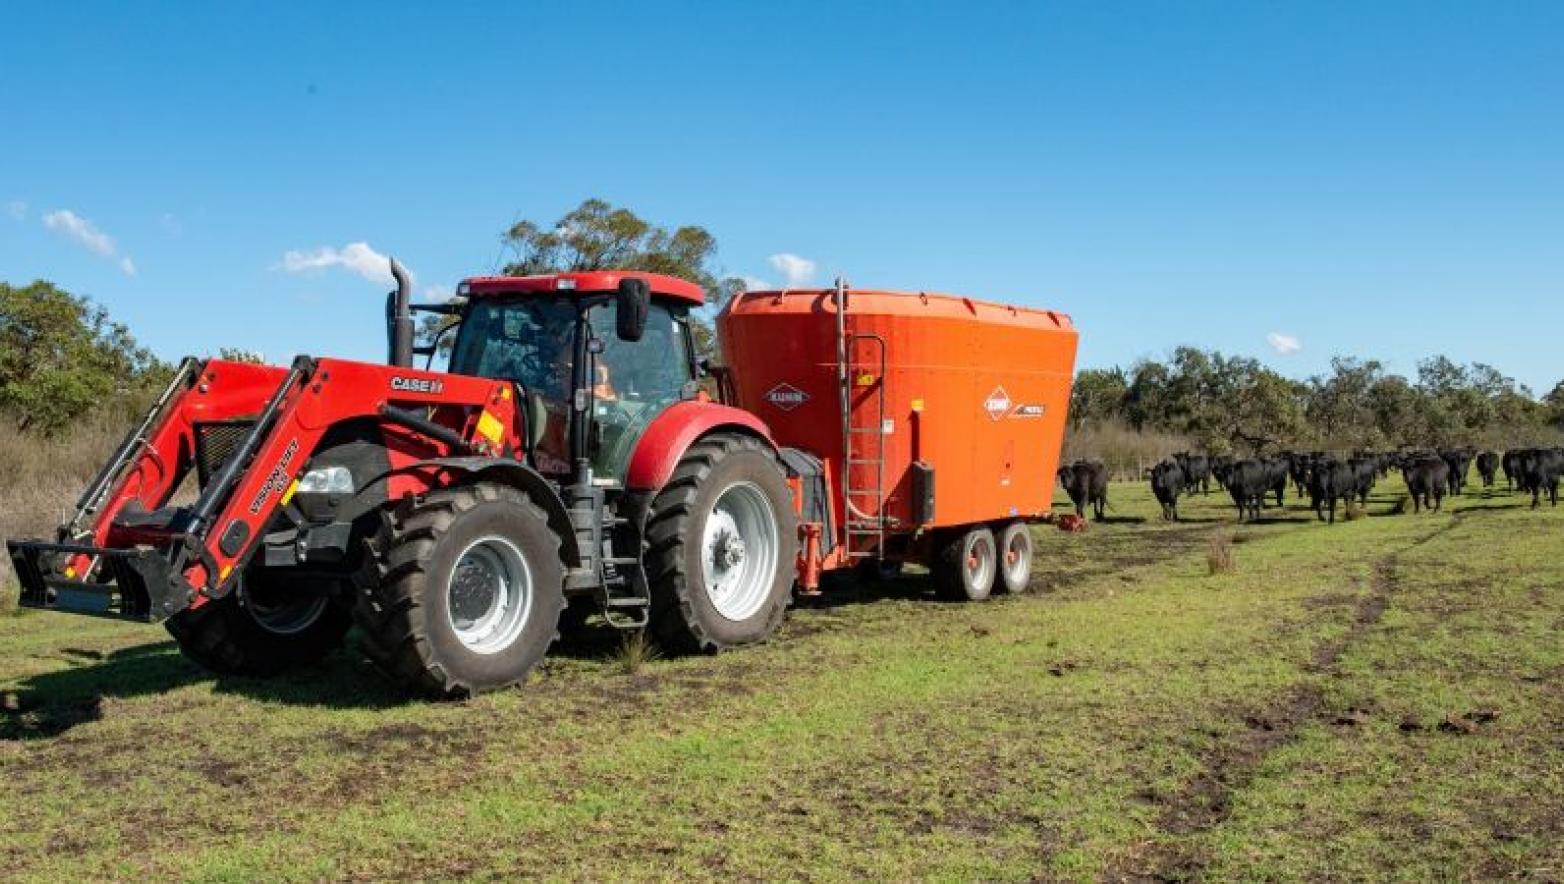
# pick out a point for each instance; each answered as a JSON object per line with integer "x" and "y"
{"x": 722, "y": 543}
{"x": 267, "y": 625}
{"x": 467, "y": 592}
{"x": 965, "y": 565}
{"x": 1015, "y": 557}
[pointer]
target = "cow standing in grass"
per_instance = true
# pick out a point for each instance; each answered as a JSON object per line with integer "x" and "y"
{"x": 1331, "y": 481}
{"x": 1087, "y": 484}
{"x": 1247, "y": 481}
{"x": 1487, "y": 466}
{"x": 1427, "y": 478}
{"x": 1510, "y": 463}
{"x": 1540, "y": 469}
{"x": 1196, "y": 469}
{"x": 1167, "y": 483}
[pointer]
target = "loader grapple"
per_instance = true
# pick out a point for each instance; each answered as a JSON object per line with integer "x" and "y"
{"x": 134, "y": 584}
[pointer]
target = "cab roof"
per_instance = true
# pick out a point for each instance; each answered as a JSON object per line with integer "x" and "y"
{"x": 582, "y": 283}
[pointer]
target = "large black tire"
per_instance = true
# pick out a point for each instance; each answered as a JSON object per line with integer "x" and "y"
{"x": 965, "y": 565}
{"x": 266, "y": 626}
{"x": 743, "y": 473}
{"x": 411, "y": 612}
{"x": 1015, "y": 558}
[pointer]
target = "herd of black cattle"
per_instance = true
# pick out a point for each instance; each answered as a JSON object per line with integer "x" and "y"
{"x": 1325, "y": 479}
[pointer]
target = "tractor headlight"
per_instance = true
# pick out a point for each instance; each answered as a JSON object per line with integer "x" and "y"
{"x": 327, "y": 480}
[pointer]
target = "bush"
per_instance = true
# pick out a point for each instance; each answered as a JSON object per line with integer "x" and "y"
{"x": 1219, "y": 552}
{"x": 1128, "y": 453}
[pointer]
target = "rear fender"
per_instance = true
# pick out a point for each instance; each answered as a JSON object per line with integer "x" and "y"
{"x": 517, "y": 475}
{"x": 671, "y": 433}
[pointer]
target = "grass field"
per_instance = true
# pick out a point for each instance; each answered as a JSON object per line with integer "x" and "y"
{"x": 1379, "y": 698}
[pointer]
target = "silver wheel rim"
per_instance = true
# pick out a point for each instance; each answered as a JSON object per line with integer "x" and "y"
{"x": 289, "y": 617}
{"x": 488, "y": 597}
{"x": 1018, "y": 558}
{"x": 739, "y": 547}
{"x": 980, "y": 561}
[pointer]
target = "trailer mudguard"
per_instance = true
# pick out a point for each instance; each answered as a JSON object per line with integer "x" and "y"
{"x": 671, "y": 433}
{"x": 510, "y": 472}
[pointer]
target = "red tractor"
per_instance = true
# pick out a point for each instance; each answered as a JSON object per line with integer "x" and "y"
{"x": 561, "y": 462}
{"x": 567, "y": 464}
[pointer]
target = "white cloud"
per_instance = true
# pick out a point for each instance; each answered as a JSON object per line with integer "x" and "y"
{"x": 80, "y": 229}
{"x": 17, "y": 210}
{"x": 755, "y": 284}
{"x": 357, "y": 257}
{"x": 1286, "y": 345}
{"x": 438, "y": 293}
{"x": 68, "y": 223}
{"x": 796, "y": 271}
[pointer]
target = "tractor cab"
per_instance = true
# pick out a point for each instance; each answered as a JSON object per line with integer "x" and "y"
{"x": 595, "y": 357}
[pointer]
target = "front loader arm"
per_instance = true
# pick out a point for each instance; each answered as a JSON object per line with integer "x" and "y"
{"x": 139, "y": 558}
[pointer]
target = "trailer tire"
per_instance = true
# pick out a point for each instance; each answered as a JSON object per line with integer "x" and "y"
{"x": 725, "y": 515}
{"x": 251, "y": 631}
{"x": 466, "y": 591}
{"x": 965, "y": 565}
{"x": 1015, "y": 558}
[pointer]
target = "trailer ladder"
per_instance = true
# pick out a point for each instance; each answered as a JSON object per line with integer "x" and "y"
{"x": 863, "y": 445}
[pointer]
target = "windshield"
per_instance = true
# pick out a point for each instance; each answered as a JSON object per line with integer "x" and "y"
{"x": 528, "y": 341}
{"x": 634, "y": 383}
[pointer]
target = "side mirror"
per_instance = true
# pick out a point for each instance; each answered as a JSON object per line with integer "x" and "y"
{"x": 634, "y": 297}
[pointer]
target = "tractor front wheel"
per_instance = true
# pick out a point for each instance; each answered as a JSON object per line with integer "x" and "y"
{"x": 723, "y": 539}
{"x": 268, "y": 624}
{"x": 467, "y": 591}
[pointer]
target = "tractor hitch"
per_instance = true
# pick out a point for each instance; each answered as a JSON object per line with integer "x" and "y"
{"x": 132, "y": 584}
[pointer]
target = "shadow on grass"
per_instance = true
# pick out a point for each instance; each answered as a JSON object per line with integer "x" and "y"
{"x": 51, "y": 703}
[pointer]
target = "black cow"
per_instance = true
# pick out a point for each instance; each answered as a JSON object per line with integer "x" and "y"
{"x": 1247, "y": 481}
{"x": 1365, "y": 472}
{"x": 1540, "y": 469}
{"x": 1330, "y": 481}
{"x": 1510, "y": 463}
{"x": 1427, "y": 479}
{"x": 1275, "y": 477}
{"x": 1459, "y": 460}
{"x": 1221, "y": 465}
{"x": 1167, "y": 483}
{"x": 1197, "y": 470}
{"x": 1087, "y": 483}
{"x": 1487, "y": 466}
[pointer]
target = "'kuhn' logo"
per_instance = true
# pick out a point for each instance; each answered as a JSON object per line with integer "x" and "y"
{"x": 1026, "y": 411}
{"x": 997, "y": 403}
{"x": 416, "y": 385}
{"x": 278, "y": 479}
{"x": 786, "y": 396}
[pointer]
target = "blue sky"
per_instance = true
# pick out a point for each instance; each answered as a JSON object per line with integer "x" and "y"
{"x": 1378, "y": 179}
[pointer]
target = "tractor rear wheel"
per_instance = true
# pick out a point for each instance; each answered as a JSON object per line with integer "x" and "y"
{"x": 268, "y": 624}
{"x": 723, "y": 539}
{"x": 1015, "y": 557}
{"x": 467, "y": 591}
{"x": 965, "y": 565}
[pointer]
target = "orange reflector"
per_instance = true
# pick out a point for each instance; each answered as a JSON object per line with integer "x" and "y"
{"x": 866, "y": 380}
{"x": 70, "y": 573}
{"x": 223, "y": 574}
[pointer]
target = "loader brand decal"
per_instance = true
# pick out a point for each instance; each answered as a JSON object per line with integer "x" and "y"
{"x": 1026, "y": 411}
{"x": 997, "y": 403}
{"x": 786, "y": 396}
{"x": 278, "y": 479}
{"x": 417, "y": 385}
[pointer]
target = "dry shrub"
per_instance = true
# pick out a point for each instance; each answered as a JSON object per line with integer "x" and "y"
{"x": 635, "y": 651}
{"x": 1219, "y": 552}
{"x": 41, "y": 477}
{"x": 1355, "y": 511}
{"x": 1127, "y": 452}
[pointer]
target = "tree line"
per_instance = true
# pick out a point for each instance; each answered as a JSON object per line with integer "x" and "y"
{"x": 1234, "y": 404}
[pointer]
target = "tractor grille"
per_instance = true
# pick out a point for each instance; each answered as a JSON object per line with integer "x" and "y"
{"x": 216, "y": 442}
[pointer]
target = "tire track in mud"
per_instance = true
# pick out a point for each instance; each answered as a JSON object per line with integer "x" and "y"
{"x": 1205, "y": 800}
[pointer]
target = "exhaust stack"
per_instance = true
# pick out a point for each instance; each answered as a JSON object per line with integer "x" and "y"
{"x": 399, "y": 318}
